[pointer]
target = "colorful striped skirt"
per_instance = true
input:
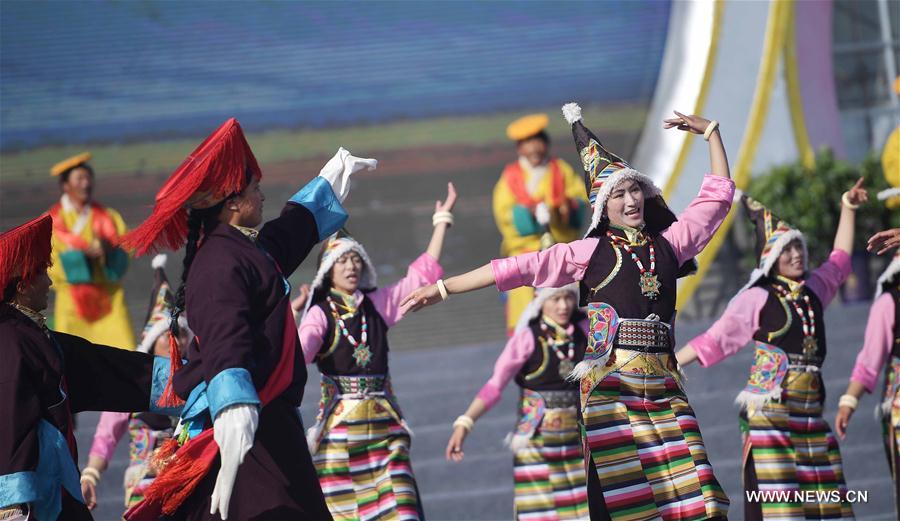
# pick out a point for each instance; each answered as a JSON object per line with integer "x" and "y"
{"x": 889, "y": 412}
{"x": 789, "y": 448}
{"x": 363, "y": 463}
{"x": 550, "y": 483}
{"x": 141, "y": 472}
{"x": 647, "y": 457}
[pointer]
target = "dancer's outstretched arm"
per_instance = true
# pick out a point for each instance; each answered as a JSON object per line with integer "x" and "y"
{"x": 436, "y": 245}
{"x": 429, "y": 295}
{"x": 843, "y": 238}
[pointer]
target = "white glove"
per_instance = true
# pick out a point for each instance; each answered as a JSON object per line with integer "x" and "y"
{"x": 338, "y": 169}
{"x": 542, "y": 214}
{"x": 233, "y": 429}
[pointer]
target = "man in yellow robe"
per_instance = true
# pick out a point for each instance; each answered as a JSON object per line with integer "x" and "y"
{"x": 538, "y": 199}
{"x": 87, "y": 267}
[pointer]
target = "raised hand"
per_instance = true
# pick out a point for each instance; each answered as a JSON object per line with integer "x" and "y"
{"x": 692, "y": 124}
{"x": 857, "y": 194}
{"x": 447, "y": 204}
{"x": 299, "y": 303}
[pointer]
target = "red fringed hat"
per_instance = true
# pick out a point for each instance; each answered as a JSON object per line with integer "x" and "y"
{"x": 25, "y": 250}
{"x": 219, "y": 167}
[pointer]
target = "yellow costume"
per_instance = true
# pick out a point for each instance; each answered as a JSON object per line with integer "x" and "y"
{"x": 517, "y": 194}
{"x": 90, "y": 301}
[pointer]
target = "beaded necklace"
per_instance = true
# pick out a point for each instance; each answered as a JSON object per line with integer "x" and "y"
{"x": 807, "y": 320}
{"x": 361, "y": 352}
{"x": 649, "y": 283}
{"x": 556, "y": 339}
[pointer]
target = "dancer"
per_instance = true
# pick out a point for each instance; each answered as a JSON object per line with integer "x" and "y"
{"x": 548, "y": 464}
{"x": 147, "y": 431}
{"x": 643, "y": 448}
{"x": 538, "y": 197}
{"x": 240, "y": 451}
{"x": 87, "y": 267}
{"x": 788, "y": 446}
{"x": 880, "y": 350}
{"x": 360, "y": 441}
{"x": 48, "y": 376}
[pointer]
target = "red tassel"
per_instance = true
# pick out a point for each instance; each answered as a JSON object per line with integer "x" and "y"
{"x": 25, "y": 250}
{"x": 178, "y": 480}
{"x": 169, "y": 398}
{"x": 214, "y": 170}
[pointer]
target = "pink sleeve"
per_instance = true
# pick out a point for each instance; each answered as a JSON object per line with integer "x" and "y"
{"x": 699, "y": 221}
{"x": 313, "y": 329}
{"x": 517, "y": 351}
{"x": 827, "y": 278}
{"x": 879, "y": 340}
{"x": 733, "y": 330}
{"x": 557, "y": 266}
{"x": 423, "y": 271}
{"x": 110, "y": 428}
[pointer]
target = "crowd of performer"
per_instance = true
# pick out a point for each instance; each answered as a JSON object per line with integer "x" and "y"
{"x": 209, "y": 393}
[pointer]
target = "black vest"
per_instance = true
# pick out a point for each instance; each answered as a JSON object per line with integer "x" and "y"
{"x": 337, "y": 359}
{"x": 623, "y": 291}
{"x": 774, "y": 317}
{"x": 533, "y": 376}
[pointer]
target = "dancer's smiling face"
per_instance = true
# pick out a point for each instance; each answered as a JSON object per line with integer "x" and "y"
{"x": 346, "y": 272}
{"x": 559, "y": 307}
{"x": 625, "y": 206}
{"x": 790, "y": 262}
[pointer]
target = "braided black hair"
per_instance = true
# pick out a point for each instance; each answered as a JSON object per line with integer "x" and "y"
{"x": 198, "y": 221}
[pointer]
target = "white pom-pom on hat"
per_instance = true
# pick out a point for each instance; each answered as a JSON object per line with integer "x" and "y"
{"x": 572, "y": 112}
{"x": 159, "y": 261}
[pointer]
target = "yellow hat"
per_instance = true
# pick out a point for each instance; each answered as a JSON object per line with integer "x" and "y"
{"x": 71, "y": 162}
{"x": 527, "y": 126}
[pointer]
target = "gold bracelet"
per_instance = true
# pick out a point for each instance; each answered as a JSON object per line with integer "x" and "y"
{"x": 846, "y": 200}
{"x": 442, "y": 289}
{"x": 713, "y": 125}
{"x": 465, "y": 422}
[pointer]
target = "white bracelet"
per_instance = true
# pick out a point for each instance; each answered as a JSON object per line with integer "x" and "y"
{"x": 846, "y": 200}
{"x": 465, "y": 422}
{"x": 91, "y": 475}
{"x": 442, "y": 217}
{"x": 443, "y": 289}
{"x": 713, "y": 125}
{"x": 848, "y": 400}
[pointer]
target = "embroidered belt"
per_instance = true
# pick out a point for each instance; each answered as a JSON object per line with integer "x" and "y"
{"x": 360, "y": 385}
{"x": 648, "y": 336}
{"x": 559, "y": 399}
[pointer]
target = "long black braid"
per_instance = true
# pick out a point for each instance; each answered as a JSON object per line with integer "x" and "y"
{"x": 198, "y": 220}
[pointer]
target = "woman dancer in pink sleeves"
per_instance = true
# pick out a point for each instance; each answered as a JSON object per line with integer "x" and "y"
{"x": 644, "y": 453}
{"x": 788, "y": 446}
{"x": 360, "y": 442}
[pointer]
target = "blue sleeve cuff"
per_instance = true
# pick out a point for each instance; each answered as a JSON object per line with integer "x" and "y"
{"x": 161, "y": 368}
{"x": 318, "y": 197}
{"x": 18, "y": 488}
{"x": 231, "y": 386}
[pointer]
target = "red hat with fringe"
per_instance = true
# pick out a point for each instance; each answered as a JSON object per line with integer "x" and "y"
{"x": 221, "y": 166}
{"x": 25, "y": 250}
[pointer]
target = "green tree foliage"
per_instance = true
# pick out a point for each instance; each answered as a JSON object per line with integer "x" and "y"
{"x": 810, "y": 199}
